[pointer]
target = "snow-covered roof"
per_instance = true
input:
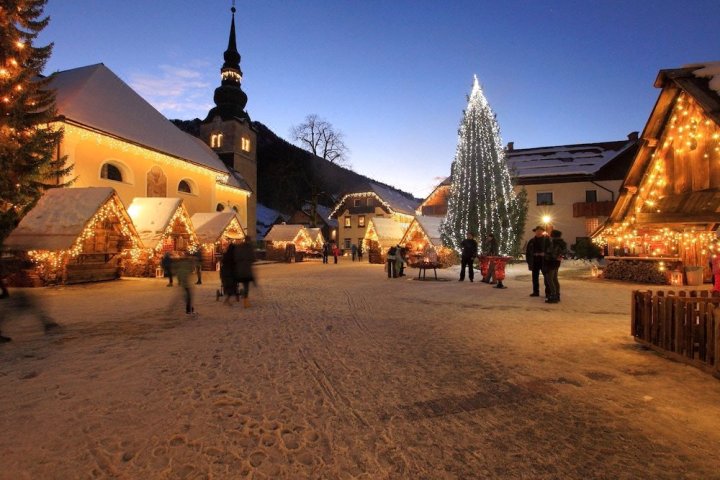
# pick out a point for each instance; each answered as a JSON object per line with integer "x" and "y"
{"x": 580, "y": 159}
{"x": 710, "y": 70}
{"x": 95, "y": 97}
{"x": 431, "y": 227}
{"x": 323, "y": 212}
{"x": 210, "y": 227}
{"x": 284, "y": 233}
{"x": 316, "y": 235}
{"x": 151, "y": 217}
{"x": 58, "y": 218}
{"x": 397, "y": 201}
{"x": 265, "y": 219}
{"x": 388, "y": 231}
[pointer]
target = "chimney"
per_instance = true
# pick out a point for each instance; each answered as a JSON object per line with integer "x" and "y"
{"x": 511, "y": 146}
{"x": 632, "y": 136}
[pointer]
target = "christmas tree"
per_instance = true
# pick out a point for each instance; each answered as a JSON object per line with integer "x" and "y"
{"x": 28, "y": 143}
{"x": 482, "y": 199}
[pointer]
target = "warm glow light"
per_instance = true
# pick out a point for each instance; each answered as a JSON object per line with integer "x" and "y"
{"x": 546, "y": 219}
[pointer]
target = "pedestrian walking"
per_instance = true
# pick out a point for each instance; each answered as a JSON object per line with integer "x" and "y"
{"x": 244, "y": 259}
{"x": 556, "y": 249}
{"x": 325, "y": 252}
{"x": 335, "y": 252}
{"x": 166, "y": 264}
{"x": 19, "y": 303}
{"x": 198, "y": 265}
{"x": 184, "y": 268}
{"x": 353, "y": 251}
{"x": 227, "y": 274}
{"x": 534, "y": 253}
{"x": 469, "y": 250}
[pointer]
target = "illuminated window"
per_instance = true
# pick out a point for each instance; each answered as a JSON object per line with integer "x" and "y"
{"x": 544, "y": 198}
{"x": 216, "y": 140}
{"x": 245, "y": 144}
{"x": 184, "y": 187}
{"x": 361, "y": 220}
{"x": 348, "y": 223}
{"x": 220, "y": 207}
{"x": 111, "y": 172}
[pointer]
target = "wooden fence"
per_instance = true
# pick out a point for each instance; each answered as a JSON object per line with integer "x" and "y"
{"x": 684, "y": 325}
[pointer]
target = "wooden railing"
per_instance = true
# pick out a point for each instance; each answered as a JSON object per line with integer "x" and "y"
{"x": 593, "y": 209}
{"x": 682, "y": 325}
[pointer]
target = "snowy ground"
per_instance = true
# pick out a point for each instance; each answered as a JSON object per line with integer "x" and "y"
{"x": 337, "y": 372}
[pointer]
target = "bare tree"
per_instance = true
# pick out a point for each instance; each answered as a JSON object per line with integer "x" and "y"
{"x": 321, "y": 139}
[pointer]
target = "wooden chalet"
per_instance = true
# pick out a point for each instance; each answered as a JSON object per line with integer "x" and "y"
{"x": 422, "y": 238}
{"x": 317, "y": 237}
{"x": 215, "y": 231}
{"x": 382, "y": 233}
{"x": 74, "y": 235}
{"x": 366, "y": 201}
{"x": 669, "y": 207}
{"x": 164, "y": 225}
{"x": 284, "y": 241}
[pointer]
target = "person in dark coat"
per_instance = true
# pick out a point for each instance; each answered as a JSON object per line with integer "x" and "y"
{"x": 227, "y": 274}
{"x": 325, "y": 252}
{"x": 556, "y": 249}
{"x": 534, "y": 253}
{"x": 244, "y": 258}
{"x": 198, "y": 265}
{"x": 166, "y": 264}
{"x": 353, "y": 251}
{"x": 469, "y": 250}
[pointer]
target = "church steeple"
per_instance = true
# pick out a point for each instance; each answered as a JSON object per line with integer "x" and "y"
{"x": 229, "y": 98}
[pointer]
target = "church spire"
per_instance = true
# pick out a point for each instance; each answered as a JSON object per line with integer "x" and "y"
{"x": 229, "y": 98}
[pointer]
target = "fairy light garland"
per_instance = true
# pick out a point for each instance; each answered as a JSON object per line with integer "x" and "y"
{"x": 182, "y": 216}
{"x": 122, "y": 145}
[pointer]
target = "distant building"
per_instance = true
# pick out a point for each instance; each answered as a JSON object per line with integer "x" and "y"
{"x": 327, "y": 225}
{"x": 354, "y": 211}
{"x": 572, "y": 187}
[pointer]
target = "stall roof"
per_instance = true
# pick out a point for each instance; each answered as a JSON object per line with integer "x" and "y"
{"x": 431, "y": 227}
{"x": 59, "y": 217}
{"x": 151, "y": 216}
{"x": 283, "y": 233}
{"x": 388, "y": 231}
{"x": 210, "y": 227}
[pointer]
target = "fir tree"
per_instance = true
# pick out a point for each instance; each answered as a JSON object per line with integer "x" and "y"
{"x": 28, "y": 143}
{"x": 482, "y": 199}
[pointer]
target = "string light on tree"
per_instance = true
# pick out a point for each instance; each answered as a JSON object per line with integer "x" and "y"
{"x": 482, "y": 199}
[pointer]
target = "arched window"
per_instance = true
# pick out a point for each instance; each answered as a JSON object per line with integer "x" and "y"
{"x": 216, "y": 140}
{"x": 111, "y": 172}
{"x": 184, "y": 187}
{"x": 220, "y": 207}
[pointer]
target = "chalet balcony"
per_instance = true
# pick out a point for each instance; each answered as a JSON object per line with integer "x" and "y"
{"x": 593, "y": 209}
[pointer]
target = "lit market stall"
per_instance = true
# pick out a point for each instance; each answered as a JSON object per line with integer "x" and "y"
{"x": 422, "y": 238}
{"x": 382, "y": 233}
{"x": 287, "y": 242}
{"x": 215, "y": 231}
{"x": 164, "y": 226}
{"x": 665, "y": 220}
{"x": 75, "y": 235}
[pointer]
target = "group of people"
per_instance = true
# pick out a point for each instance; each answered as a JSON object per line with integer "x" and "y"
{"x": 543, "y": 254}
{"x": 330, "y": 249}
{"x": 469, "y": 252}
{"x": 236, "y": 268}
{"x": 395, "y": 260}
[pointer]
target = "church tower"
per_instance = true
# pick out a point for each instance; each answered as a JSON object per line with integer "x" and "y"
{"x": 227, "y": 128}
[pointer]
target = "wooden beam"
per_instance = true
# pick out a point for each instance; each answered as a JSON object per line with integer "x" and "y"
{"x": 678, "y": 218}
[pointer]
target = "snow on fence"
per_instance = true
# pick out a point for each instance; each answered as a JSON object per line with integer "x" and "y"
{"x": 683, "y": 325}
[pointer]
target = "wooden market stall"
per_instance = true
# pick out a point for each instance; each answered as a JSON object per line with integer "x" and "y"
{"x": 74, "y": 235}
{"x": 382, "y": 233}
{"x": 215, "y": 230}
{"x": 666, "y": 217}
{"x": 287, "y": 242}
{"x": 318, "y": 239}
{"x": 422, "y": 238}
{"x": 164, "y": 226}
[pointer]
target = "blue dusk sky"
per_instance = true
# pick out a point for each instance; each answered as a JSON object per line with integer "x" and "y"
{"x": 393, "y": 76}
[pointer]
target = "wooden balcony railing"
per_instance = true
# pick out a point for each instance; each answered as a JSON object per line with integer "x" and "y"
{"x": 593, "y": 209}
